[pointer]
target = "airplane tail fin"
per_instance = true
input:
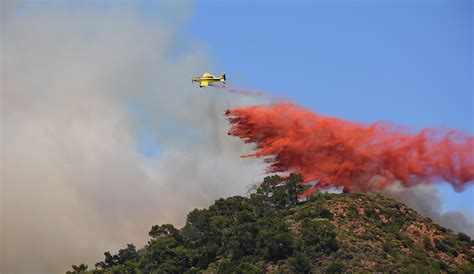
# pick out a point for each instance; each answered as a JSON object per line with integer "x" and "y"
{"x": 223, "y": 77}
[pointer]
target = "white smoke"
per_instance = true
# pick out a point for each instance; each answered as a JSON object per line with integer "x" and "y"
{"x": 426, "y": 200}
{"x": 74, "y": 183}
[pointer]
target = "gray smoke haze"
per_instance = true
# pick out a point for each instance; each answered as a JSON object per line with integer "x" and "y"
{"x": 426, "y": 200}
{"x": 74, "y": 183}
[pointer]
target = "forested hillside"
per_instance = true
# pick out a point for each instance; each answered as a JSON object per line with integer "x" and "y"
{"x": 272, "y": 231}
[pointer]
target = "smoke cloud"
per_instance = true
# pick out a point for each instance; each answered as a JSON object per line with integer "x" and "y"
{"x": 426, "y": 200}
{"x": 78, "y": 88}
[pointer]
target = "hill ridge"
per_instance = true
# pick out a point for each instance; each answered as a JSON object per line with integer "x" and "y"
{"x": 272, "y": 231}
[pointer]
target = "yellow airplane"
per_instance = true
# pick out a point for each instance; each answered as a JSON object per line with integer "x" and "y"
{"x": 208, "y": 78}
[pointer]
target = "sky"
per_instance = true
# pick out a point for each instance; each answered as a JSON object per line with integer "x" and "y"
{"x": 406, "y": 62}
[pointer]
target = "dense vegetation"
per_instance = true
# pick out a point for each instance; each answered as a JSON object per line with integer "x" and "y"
{"x": 272, "y": 231}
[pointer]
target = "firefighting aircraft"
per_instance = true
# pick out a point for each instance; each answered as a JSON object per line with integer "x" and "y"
{"x": 208, "y": 78}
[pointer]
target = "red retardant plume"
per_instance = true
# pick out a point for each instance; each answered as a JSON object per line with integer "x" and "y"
{"x": 330, "y": 152}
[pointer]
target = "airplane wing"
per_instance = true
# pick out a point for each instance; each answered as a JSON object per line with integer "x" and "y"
{"x": 203, "y": 84}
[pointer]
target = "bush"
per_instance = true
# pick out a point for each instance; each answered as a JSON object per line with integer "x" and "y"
{"x": 325, "y": 213}
{"x": 78, "y": 269}
{"x": 246, "y": 267}
{"x": 335, "y": 267}
{"x": 440, "y": 245}
{"x": 352, "y": 210}
{"x": 463, "y": 237}
{"x": 370, "y": 212}
{"x": 319, "y": 236}
{"x": 427, "y": 243}
{"x": 443, "y": 265}
{"x": 275, "y": 245}
{"x": 386, "y": 247}
{"x": 299, "y": 263}
{"x": 221, "y": 266}
{"x": 406, "y": 241}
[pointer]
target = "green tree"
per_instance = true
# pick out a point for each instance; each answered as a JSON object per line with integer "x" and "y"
{"x": 275, "y": 244}
{"x": 166, "y": 255}
{"x": 464, "y": 237}
{"x": 319, "y": 237}
{"x": 78, "y": 268}
{"x": 128, "y": 254}
{"x": 241, "y": 240}
{"x": 300, "y": 263}
{"x": 335, "y": 267}
{"x": 281, "y": 192}
{"x": 249, "y": 268}
{"x": 294, "y": 187}
{"x": 202, "y": 235}
{"x": 109, "y": 261}
{"x": 165, "y": 230}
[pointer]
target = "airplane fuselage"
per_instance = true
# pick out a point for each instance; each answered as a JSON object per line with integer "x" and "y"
{"x": 208, "y": 78}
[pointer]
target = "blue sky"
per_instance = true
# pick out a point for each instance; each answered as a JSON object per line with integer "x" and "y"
{"x": 407, "y": 62}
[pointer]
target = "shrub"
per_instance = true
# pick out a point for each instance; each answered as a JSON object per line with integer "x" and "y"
{"x": 427, "y": 242}
{"x": 246, "y": 267}
{"x": 370, "y": 212}
{"x": 463, "y": 237}
{"x": 352, "y": 209}
{"x": 440, "y": 245}
{"x": 386, "y": 247}
{"x": 320, "y": 236}
{"x": 325, "y": 213}
{"x": 299, "y": 263}
{"x": 335, "y": 267}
